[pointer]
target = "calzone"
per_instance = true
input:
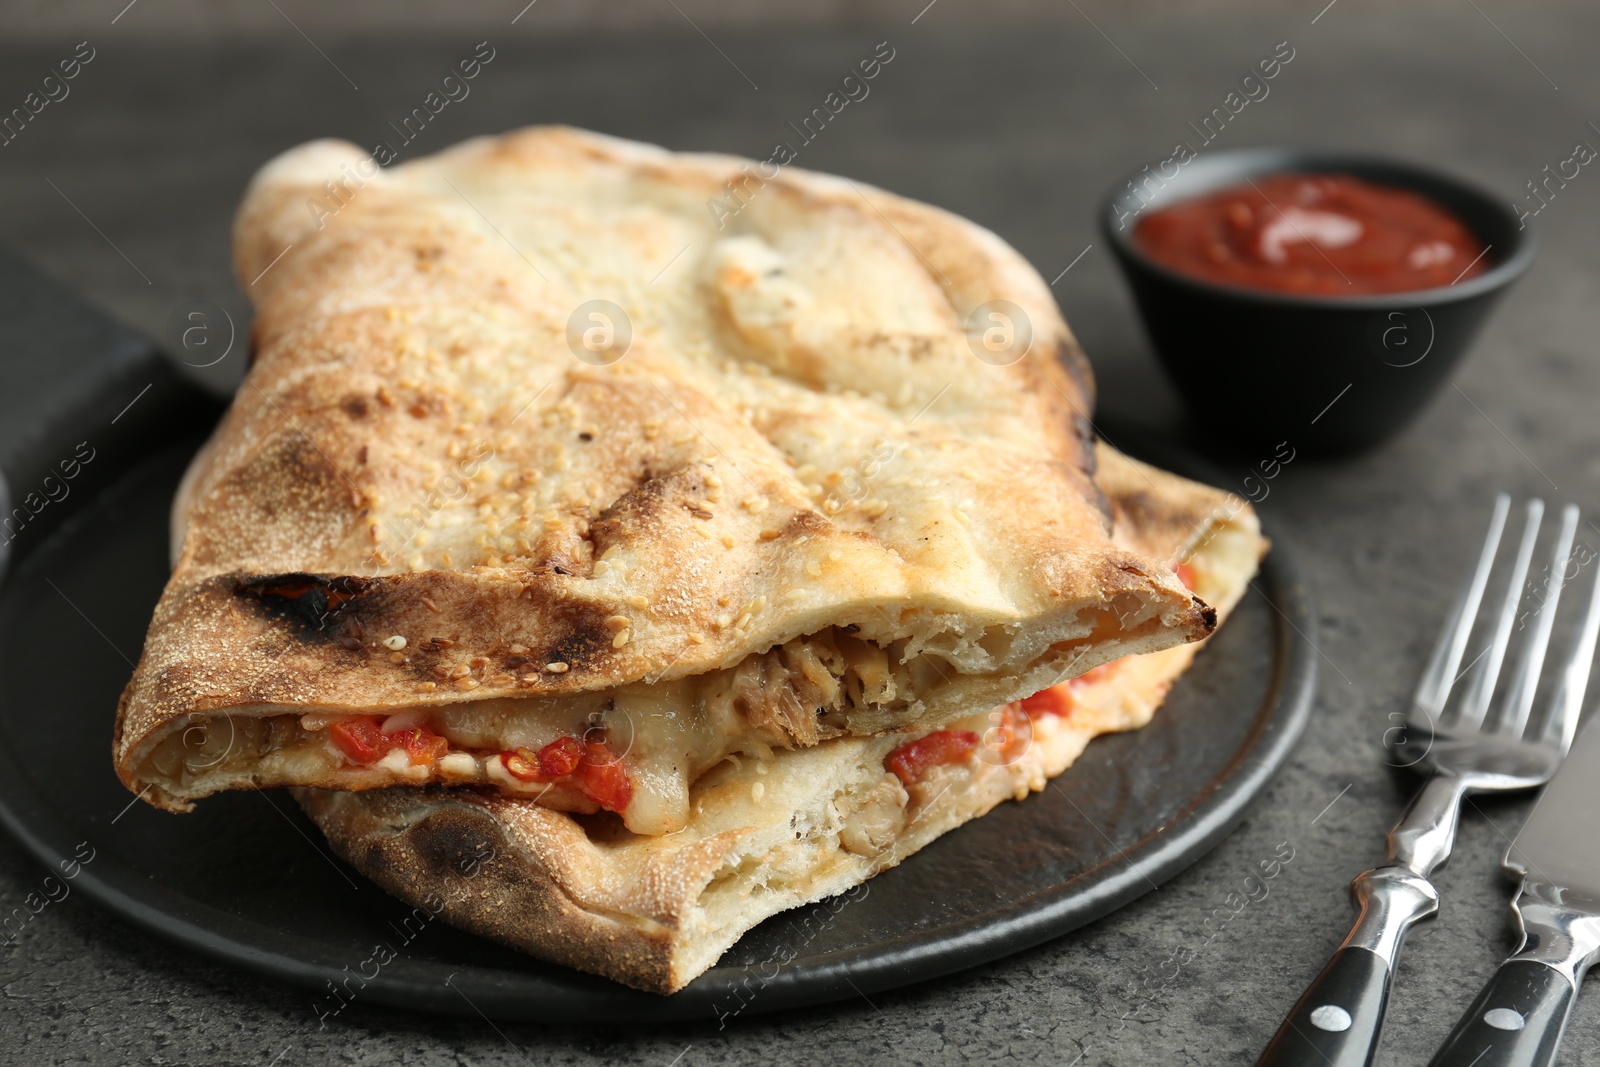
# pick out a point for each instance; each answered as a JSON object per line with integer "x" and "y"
{"x": 540, "y": 461}
{"x": 769, "y": 834}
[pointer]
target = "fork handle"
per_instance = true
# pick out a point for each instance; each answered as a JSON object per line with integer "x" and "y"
{"x": 1336, "y": 1023}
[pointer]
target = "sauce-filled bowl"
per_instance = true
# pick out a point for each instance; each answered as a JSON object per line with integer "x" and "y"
{"x": 1269, "y": 313}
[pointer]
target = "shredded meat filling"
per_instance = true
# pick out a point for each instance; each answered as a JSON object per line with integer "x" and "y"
{"x": 803, "y": 691}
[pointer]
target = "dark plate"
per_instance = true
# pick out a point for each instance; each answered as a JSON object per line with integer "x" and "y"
{"x": 248, "y": 880}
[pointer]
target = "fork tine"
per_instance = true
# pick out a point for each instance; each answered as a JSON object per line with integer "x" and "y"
{"x": 1486, "y": 671}
{"x": 1439, "y": 675}
{"x": 1561, "y": 721}
{"x": 1519, "y": 701}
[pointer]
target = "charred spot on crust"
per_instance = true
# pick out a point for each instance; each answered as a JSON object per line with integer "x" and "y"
{"x": 1071, "y": 360}
{"x": 1076, "y": 364}
{"x": 647, "y": 504}
{"x": 369, "y": 855}
{"x": 355, "y": 405}
{"x": 1208, "y": 614}
{"x": 805, "y": 522}
{"x": 582, "y": 646}
{"x": 312, "y": 600}
{"x": 1100, "y": 500}
{"x": 425, "y": 404}
{"x": 428, "y": 254}
{"x": 456, "y": 843}
{"x": 1137, "y": 508}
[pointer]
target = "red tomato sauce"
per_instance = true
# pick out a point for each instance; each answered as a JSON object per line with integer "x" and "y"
{"x": 1325, "y": 234}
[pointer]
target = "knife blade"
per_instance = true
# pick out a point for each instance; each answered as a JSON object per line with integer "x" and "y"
{"x": 1519, "y": 1018}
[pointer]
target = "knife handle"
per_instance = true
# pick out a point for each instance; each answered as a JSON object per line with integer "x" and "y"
{"x": 1337, "y": 1022}
{"x": 1517, "y": 1021}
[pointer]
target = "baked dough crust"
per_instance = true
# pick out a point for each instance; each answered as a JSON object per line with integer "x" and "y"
{"x": 799, "y": 437}
{"x": 654, "y": 912}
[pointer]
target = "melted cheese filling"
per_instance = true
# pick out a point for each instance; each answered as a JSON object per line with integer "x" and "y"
{"x": 667, "y": 733}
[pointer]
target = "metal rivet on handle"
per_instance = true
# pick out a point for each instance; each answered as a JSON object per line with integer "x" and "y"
{"x": 1504, "y": 1019}
{"x": 1330, "y": 1017}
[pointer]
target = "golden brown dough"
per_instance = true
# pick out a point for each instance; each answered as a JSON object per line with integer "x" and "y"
{"x": 798, "y": 441}
{"x": 654, "y": 912}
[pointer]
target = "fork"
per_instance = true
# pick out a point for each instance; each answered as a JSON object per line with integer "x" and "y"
{"x": 1338, "y": 1021}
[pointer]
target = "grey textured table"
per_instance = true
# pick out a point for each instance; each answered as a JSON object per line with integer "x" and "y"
{"x": 1019, "y": 128}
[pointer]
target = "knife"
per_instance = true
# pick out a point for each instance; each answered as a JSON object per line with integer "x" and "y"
{"x": 1519, "y": 1018}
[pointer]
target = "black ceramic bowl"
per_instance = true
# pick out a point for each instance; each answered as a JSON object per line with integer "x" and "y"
{"x": 1327, "y": 374}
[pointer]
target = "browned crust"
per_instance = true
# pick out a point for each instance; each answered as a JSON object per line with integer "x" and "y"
{"x": 404, "y": 344}
{"x": 523, "y": 875}
{"x": 551, "y": 892}
{"x": 1158, "y": 513}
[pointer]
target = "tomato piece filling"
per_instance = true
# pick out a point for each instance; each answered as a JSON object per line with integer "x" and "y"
{"x": 588, "y": 765}
{"x": 421, "y": 744}
{"x": 363, "y": 742}
{"x": 1011, "y": 733}
{"x": 910, "y": 762}
{"x": 1057, "y": 701}
{"x": 602, "y": 776}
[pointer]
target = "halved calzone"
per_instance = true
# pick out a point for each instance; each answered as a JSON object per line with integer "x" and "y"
{"x": 455, "y": 530}
{"x": 774, "y": 833}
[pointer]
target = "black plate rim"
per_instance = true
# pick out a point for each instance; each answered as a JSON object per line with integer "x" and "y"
{"x": 721, "y": 992}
